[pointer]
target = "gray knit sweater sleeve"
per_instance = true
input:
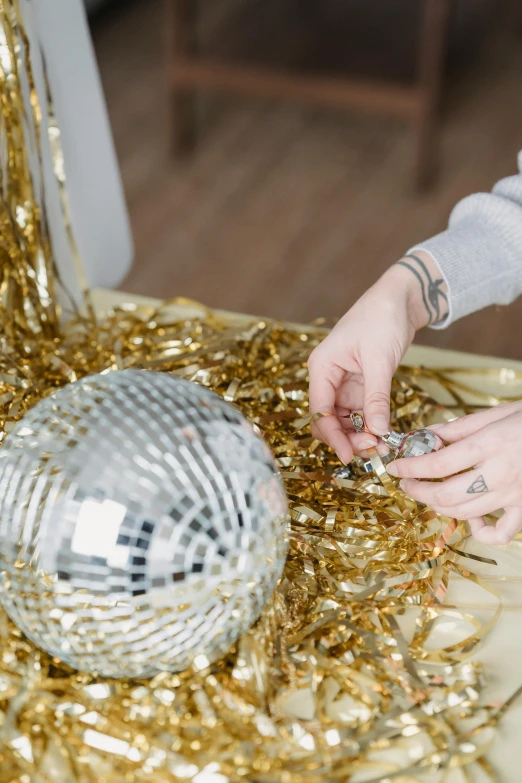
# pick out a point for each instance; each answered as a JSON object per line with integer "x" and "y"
{"x": 480, "y": 254}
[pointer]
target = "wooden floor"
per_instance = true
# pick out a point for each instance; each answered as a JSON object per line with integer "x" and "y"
{"x": 290, "y": 212}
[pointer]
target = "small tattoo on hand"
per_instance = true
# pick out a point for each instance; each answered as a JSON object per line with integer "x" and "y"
{"x": 478, "y": 486}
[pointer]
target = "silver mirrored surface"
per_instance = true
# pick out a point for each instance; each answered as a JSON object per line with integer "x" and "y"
{"x": 143, "y": 524}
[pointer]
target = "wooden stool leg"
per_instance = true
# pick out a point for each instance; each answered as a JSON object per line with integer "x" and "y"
{"x": 431, "y": 64}
{"x": 180, "y": 28}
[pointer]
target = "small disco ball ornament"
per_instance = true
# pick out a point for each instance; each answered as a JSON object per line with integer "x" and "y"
{"x": 143, "y": 524}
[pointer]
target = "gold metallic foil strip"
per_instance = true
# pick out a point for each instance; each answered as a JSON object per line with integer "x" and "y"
{"x": 27, "y": 285}
{"x": 330, "y": 684}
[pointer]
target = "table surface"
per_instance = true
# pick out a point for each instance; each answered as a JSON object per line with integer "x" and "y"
{"x": 501, "y": 651}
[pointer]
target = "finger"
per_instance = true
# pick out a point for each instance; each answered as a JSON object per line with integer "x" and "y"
{"x": 329, "y": 430}
{"x": 452, "y": 492}
{"x": 478, "y": 507}
{"x": 506, "y": 528}
{"x": 382, "y": 449}
{"x": 324, "y": 383}
{"x": 465, "y": 426}
{"x": 350, "y": 394}
{"x": 476, "y": 524}
{"x": 446, "y": 462}
{"x": 377, "y": 387}
{"x": 361, "y": 441}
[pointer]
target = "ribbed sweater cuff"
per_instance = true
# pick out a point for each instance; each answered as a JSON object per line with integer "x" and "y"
{"x": 465, "y": 255}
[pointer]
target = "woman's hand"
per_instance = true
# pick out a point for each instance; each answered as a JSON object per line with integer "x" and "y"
{"x": 352, "y": 368}
{"x": 488, "y": 445}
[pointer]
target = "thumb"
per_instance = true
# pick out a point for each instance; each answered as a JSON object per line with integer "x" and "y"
{"x": 377, "y": 387}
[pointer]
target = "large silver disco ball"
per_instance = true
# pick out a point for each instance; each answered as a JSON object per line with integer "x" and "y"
{"x": 143, "y": 524}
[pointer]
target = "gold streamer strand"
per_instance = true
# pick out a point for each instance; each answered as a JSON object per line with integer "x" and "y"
{"x": 27, "y": 265}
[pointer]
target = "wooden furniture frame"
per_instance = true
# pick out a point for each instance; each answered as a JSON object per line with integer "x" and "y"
{"x": 188, "y": 72}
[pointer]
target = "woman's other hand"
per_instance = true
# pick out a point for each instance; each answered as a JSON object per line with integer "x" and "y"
{"x": 488, "y": 446}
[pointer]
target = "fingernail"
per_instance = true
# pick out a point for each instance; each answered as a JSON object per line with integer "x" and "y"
{"x": 379, "y": 425}
{"x": 402, "y": 485}
{"x": 392, "y": 469}
{"x": 368, "y": 443}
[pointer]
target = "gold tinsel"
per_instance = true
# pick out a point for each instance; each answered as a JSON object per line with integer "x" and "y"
{"x": 346, "y": 676}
